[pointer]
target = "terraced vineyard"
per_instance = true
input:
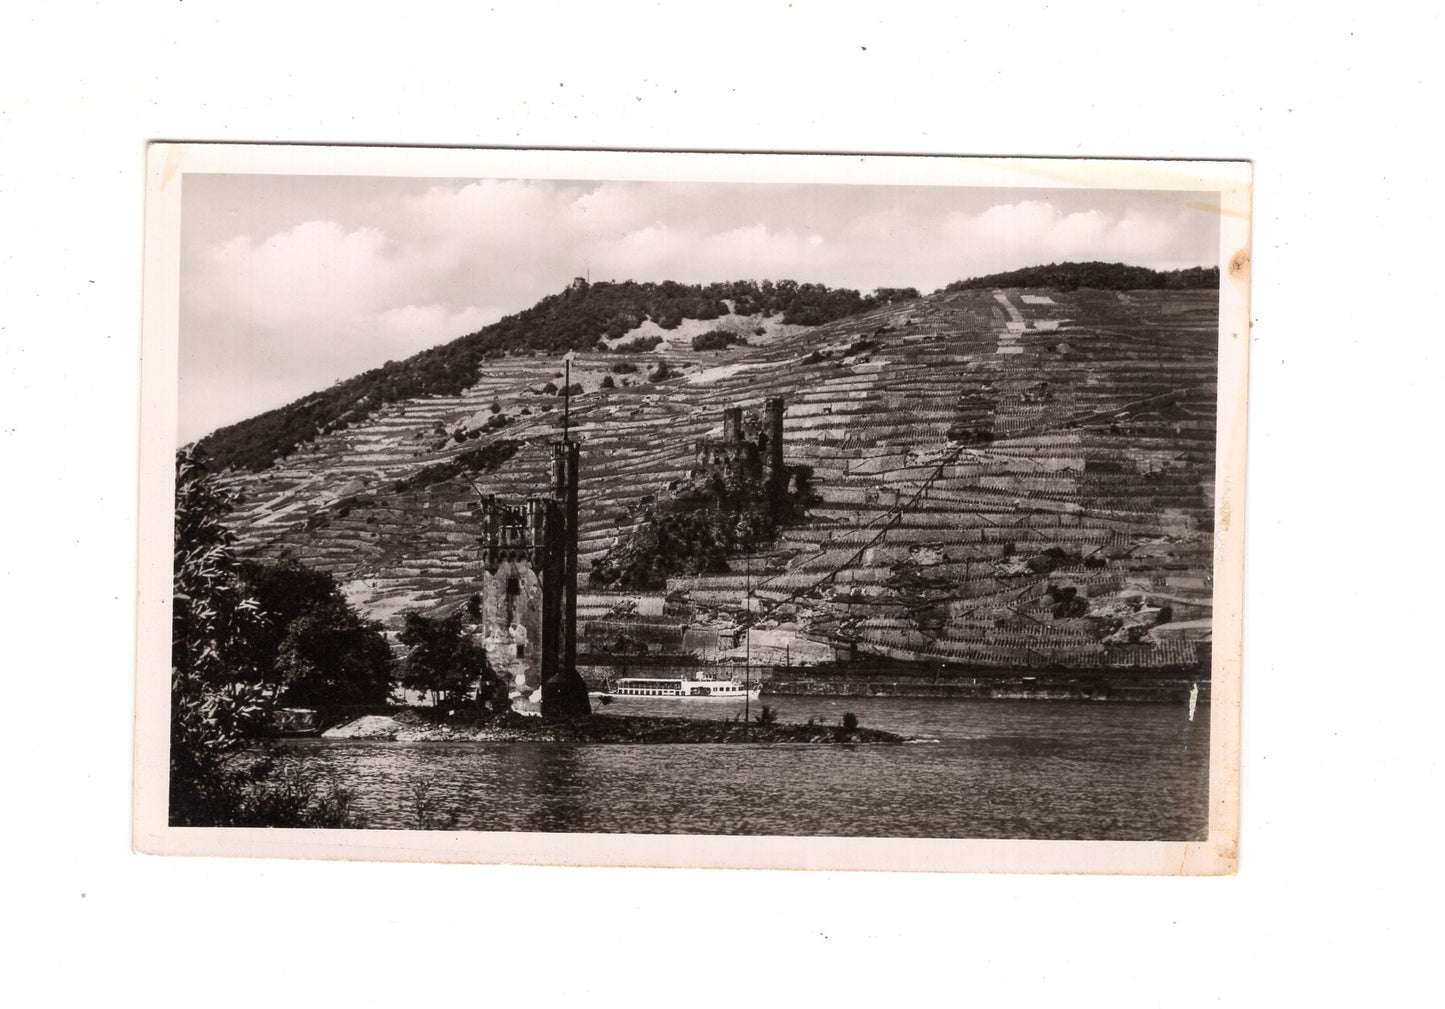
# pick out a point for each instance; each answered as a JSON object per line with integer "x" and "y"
{"x": 1005, "y": 479}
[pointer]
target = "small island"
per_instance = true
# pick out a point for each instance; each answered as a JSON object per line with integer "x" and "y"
{"x": 415, "y": 725}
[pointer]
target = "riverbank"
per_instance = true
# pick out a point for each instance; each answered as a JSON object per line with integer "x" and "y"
{"x": 1043, "y": 687}
{"x": 414, "y": 727}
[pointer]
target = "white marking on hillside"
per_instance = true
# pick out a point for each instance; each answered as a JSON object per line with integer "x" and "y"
{"x": 1013, "y": 313}
{"x": 1036, "y": 299}
{"x": 710, "y": 375}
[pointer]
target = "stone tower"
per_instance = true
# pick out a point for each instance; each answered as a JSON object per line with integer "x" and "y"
{"x": 772, "y": 450}
{"x": 529, "y": 591}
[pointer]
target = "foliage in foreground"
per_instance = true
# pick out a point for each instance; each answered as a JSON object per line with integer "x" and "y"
{"x": 312, "y": 646}
{"x": 219, "y": 697}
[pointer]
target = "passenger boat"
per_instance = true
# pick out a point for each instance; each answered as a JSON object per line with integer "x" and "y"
{"x": 284, "y": 722}
{"x": 677, "y": 687}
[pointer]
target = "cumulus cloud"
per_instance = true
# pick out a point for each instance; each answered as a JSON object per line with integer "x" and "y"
{"x": 1028, "y": 232}
{"x": 291, "y": 284}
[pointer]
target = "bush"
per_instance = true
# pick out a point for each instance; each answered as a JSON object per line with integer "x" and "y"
{"x": 850, "y": 722}
{"x": 662, "y": 372}
{"x": 716, "y": 339}
{"x": 640, "y": 345}
{"x": 888, "y": 295}
{"x": 607, "y": 382}
{"x": 767, "y": 716}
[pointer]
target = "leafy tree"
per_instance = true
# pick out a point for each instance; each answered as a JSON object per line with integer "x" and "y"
{"x": 888, "y": 295}
{"x": 331, "y": 656}
{"x": 220, "y": 637}
{"x": 312, "y": 644}
{"x": 445, "y": 661}
{"x": 217, "y": 698}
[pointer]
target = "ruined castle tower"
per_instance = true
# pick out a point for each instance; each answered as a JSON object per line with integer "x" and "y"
{"x": 529, "y": 591}
{"x": 733, "y": 424}
{"x": 770, "y": 445}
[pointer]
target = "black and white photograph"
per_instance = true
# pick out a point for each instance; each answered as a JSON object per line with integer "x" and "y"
{"x": 711, "y": 497}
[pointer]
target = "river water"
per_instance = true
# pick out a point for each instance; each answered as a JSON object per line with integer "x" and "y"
{"x": 998, "y": 769}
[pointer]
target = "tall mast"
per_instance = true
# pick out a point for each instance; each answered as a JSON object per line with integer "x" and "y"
{"x": 567, "y": 402}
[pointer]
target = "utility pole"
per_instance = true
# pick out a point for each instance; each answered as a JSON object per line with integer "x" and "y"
{"x": 748, "y": 627}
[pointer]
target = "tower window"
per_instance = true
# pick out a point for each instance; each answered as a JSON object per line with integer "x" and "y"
{"x": 514, "y": 586}
{"x": 521, "y": 651}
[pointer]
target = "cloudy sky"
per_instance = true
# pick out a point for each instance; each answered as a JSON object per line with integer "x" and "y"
{"x": 289, "y": 283}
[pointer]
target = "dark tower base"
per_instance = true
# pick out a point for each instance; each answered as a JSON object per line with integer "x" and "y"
{"x": 564, "y": 696}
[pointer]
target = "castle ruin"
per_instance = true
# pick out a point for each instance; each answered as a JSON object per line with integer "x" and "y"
{"x": 750, "y": 449}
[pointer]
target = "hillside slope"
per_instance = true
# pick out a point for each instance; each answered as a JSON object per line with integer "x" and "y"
{"x": 1006, "y": 478}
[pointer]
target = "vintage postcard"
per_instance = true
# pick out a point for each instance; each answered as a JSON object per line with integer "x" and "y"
{"x": 715, "y": 510}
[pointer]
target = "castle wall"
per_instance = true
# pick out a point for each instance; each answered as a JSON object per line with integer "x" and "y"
{"x": 740, "y": 458}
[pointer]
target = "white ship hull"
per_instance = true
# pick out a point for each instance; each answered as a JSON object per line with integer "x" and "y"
{"x": 680, "y": 690}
